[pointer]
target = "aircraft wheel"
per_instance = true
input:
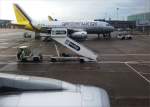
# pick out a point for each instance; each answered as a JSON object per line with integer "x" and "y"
{"x": 82, "y": 61}
{"x": 130, "y": 38}
{"x": 123, "y": 38}
{"x": 36, "y": 59}
{"x": 53, "y": 60}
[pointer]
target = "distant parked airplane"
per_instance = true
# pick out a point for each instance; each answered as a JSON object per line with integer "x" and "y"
{"x": 58, "y": 32}
{"x": 77, "y": 29}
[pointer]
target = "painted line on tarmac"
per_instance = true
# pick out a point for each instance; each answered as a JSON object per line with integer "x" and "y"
{"x": 4, "y": 40}
{"x": 13, "y": 55}
{"x": 137, "y": 72}
{"x": 4, "y": 43}
{"x": 124, "y": 55}
{"x": 100, "y": 62}
{"x": 122, "y": 62}
{"x": 4, "y": 34}
{"x": 134, "y": 62}
{"x": 15, "y": 47}
{"x": 145, "y": 73}
{"x": 132, "y": 97}
{"x": 7, "y": 55}
{"x": 33, "y": 63}
{"x": 72, "y": 62}
{"x": 117, "y": 54}
{"x": 110, "y": 62}
{"x": 3, "y": 47}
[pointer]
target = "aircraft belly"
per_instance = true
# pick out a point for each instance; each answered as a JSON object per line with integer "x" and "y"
{"x": 97, "y": 30}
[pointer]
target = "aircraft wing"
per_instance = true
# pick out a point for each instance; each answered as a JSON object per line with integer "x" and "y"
{"x": 15, "y": 82}
{"x": 30, "y": 91}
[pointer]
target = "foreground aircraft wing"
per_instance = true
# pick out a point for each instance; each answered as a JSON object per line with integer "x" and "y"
{"x": 30, "y": 91}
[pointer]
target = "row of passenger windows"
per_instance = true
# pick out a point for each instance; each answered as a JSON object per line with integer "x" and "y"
{"x": 59, "y": 32}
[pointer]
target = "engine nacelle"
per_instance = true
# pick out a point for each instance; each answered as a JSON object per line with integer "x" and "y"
{"x": 81, "y": 35}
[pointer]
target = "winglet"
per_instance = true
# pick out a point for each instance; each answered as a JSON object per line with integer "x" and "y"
{"x": 22, "y": 18}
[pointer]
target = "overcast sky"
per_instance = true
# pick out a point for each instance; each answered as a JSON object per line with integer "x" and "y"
{"x": 74, "y": 9}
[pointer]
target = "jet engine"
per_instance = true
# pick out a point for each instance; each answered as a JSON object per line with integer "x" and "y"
{"x": 79, "y": 36}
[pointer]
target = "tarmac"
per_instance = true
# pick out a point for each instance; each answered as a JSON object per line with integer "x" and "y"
{"x": 123, "y": 67}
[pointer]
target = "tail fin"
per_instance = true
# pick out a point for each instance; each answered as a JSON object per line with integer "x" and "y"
{"x": 50, "y": 18}
{"x": 22, "y": 18}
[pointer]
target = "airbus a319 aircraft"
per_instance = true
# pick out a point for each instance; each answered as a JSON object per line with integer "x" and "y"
{"x": 74, "y": 30}
{"x": 58, "y": 33}
{"x": 77, "y": 30}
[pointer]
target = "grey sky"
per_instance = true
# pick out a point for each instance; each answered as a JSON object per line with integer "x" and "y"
{"x": 75, "y": 9}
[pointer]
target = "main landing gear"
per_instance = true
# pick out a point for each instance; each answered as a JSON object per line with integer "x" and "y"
{"x": 106, "y": 36}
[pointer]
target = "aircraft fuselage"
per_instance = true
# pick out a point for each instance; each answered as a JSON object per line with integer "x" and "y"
{"x": 91, "y": 27}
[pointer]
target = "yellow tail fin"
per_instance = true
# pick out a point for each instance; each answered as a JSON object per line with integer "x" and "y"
{"x": 50, "y": 18}
{"x": 22, "y": 18}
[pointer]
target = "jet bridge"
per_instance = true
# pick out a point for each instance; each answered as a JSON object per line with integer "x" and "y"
{"x": 61, "y": 36}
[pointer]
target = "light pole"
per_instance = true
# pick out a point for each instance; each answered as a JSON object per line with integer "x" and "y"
{"x": 117, "y": 13}
{"x": 105, "y": 16}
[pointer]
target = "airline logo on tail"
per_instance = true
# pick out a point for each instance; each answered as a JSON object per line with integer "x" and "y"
{"x": 22, "y": 18}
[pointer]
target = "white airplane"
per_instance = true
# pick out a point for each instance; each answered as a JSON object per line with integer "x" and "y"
{"x": 29, "y": 91}
{"x": 77, "y": 30}
{"x": 58, "y": 33}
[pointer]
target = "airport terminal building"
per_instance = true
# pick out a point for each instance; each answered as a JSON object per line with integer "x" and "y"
{"x": 142, "y": 21}
{"x": 120, "y": 23}
{"x": 5, "y": 23}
